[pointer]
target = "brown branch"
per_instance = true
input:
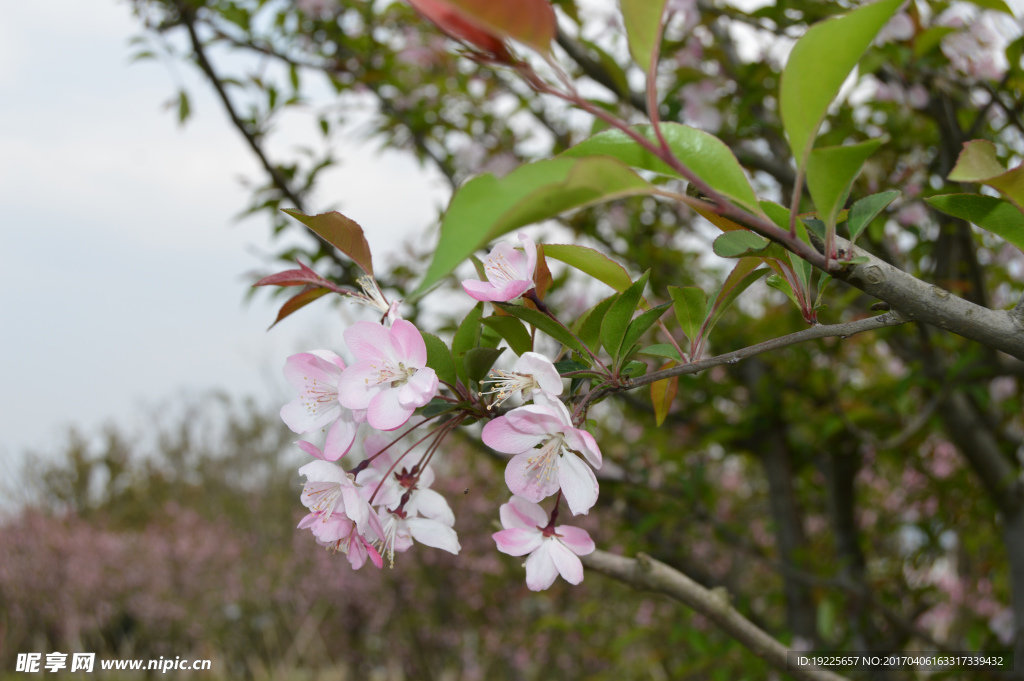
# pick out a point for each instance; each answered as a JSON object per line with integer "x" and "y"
{"x": 643, "y": 572}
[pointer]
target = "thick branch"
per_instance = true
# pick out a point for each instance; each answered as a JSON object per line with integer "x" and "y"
{"x": 644, "y": 572}
{"x": 922, "y": 302}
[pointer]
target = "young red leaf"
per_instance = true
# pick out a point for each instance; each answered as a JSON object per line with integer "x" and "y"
{"x": 486, "y": 23}
{"x": 341, "y": 232}
{"x": 301, "y": 277}
{"x": 299, "y": 301}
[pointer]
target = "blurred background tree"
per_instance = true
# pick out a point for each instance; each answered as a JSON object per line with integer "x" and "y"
{"x": 857, "y": 494}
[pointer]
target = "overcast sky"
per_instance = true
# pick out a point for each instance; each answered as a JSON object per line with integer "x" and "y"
{"x": 122, "y": 278}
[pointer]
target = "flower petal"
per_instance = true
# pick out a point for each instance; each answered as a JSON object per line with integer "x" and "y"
{"x": 358, "y": 384}
{"x": 340, "y": 437}
{"x": 523, "y": 479}
{"x": 521, "y": 513}
{"x": 517, "y": 541}
{"x": 432, "y": 505}
{"x": 584, "y": 443}
{"x": 434, "y": 534}
{"x": 568, "y": 565}
{"x": 386, "y": 412}
{"x": 368, "y": 341}
{"x": 407, "y": 337}
{"x": 578, "y": 483}
{"x": 540, "y": 569}
{"x": 575, "y": 539}
{"x": 542, "y": 370}
{"x": 323, "y": 471}
{"x": 311, "y": 449}
{"x": 499, "y": 435}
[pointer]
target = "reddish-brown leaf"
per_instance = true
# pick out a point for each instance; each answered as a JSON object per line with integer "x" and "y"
{"x": 543, "y": 275}
{"x": 299, "y": 301}
{"x": 341, "y": 232}
{"x": 300, "y": 277}
{"x": 486, "y": 23}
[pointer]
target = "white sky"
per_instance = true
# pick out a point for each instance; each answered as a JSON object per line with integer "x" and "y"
{"x": 121, "y": 266}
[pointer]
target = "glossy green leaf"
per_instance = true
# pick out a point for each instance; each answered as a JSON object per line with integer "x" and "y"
{"x": 780, "y": 284}
{"x": 544, "y": 323}
{"x": 706, "y": 155}
{"x": 634, "y": 369}
{"x": 978, "y": 163}
{"x": 642, "y": 323}
{"x": 590, "y": 323}
{"x": 661, "y": 350}
{"x": 739, "y": 280}
{"x": 341, "y": 232}
{"x": 819, "y": 63}
{"x": 466, "y": 338}
{"x": 997, "y": 5}
{"x": 987, "y": 212}
{"x": 439, "y": 358}
{"x": 620, "y": 314}
{"x": 512, "y": 330}
{"x": 488, "y": 207}
{"x": 592, "y": 262}
{"x": 739, "y": 243}
{"x": 642, "y": 19}
{"x": 690, "y": 305}
{"x": 436, "y": 407}
{"x": 830, "y": 174}
{"x": 479, "y": 361}
{"x": 867, "y": 209}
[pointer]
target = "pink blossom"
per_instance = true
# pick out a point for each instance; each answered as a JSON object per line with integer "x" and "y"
{"x": 341, "y": 534}
{"x": 390, "y": 378}
{"x": 532, "y": 372}
{"x": 330, "y": 491}
{"x": 316, "y": 375}
{"x": 534, "y": 474}
{"x": 553, "y": 550}
{"x": 509, "y": 272}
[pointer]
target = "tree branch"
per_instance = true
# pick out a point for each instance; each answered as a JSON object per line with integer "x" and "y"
{"x": 819, "y": 331}
{"x": 643, "y": 572}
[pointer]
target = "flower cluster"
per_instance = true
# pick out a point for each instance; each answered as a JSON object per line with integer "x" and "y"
{"x": 384, "y": 504}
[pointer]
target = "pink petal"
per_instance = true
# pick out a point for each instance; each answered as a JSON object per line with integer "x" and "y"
{"x": 358, "y": 384}
{"x": 540, "y": 569}
{"x": 301, "y": 369}
{"x": 578, "y": 483}
{"x": 479, "y": 290}
{"x": 511, "y": 290}
{"x": 535, "y": 419}
{"x": 432, "y": 505}
{"x": 419, "y": 389}
{"x": 522, "y": 480}
{"x": 554, "y": 406}
{"x": 518, "y": 542}
{"x": 519, "y": 512}
{"x": 375, "y": 557}
{"x": 500, "y": 436}
{"x": 330, "y": 357}
{"x": 367, "y": 340}
{"x": 575, "y": 539}
{"x": 385, "y": 412}
{"x": 568, "y": 565}
{"x": 302, "y": 415}
{"x": 584, "y": 443}
{"x": 410, "y": 341}
{"x": 311, "y": 449}
{"x": 340, "y": 437}
{"x": 434, "y": 534}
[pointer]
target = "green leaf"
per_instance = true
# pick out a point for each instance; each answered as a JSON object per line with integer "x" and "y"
{"x": 930, "y": 38}
{"x": 663, "y": 392}
{"x": 706, "y": 155}
{"x": 738, "y": 243}
{"x": 739, "y": 280}
{"x": 642, "y": 19}
{"x": 987, "y": 212}
{"x": 487, "y": 207}
{"x": 819, "y": 63}
{"x": 997, "y": 5}
{"x": 690, "y": 305}
{"x": 634, "y": 369}
{"x": 620, "y": 314}
{"x": 184, "y": 110}
{"x": 513, "y": 331}
{"x": 479, "y": 361}
{"x": 436, "y": 407}
{"x": 830, "y": 174}
{"x": 468, "y": 334}
{"x": 642, "y": 323}
{"x": 344, "y": 234}
{"x": 780, "y": 284}
{"x": 592, "y": 262}
{"x": 978, "y": 163}
{"x": 867, "y": 209}
{"x": 661, "y": 350}
{"x": 439, "y": 358}
{"x": 590, "y": 326}
{"x": 803, "y": 271}
{"x": 544, "y": 323}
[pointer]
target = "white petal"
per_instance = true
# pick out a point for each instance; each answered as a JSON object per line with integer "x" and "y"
{"x": 434, "y": 534}
{"x": 430, "y": 504}
{"x": 540, "y": 569}
{"x": 568, "y": 565}
{"x": 578, "y": 483}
